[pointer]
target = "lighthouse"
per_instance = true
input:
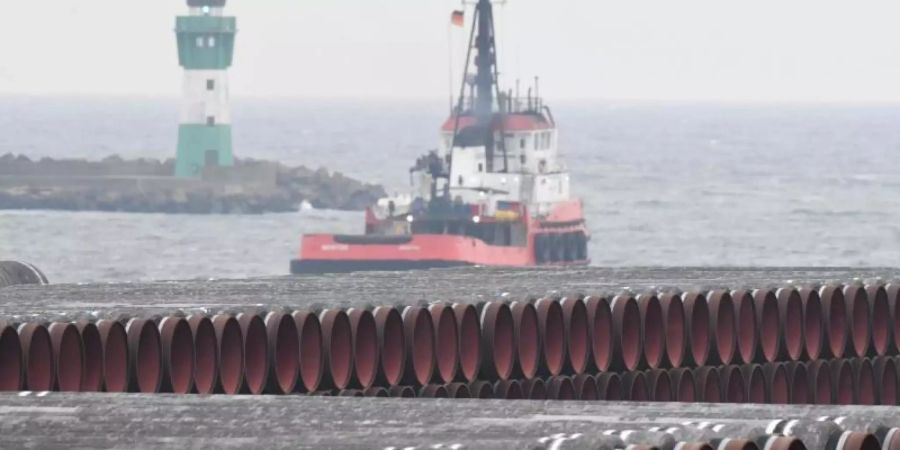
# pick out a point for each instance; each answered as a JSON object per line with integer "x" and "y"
{"x": 205, "y": 49}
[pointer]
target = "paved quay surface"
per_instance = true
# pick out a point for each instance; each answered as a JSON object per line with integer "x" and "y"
{"x": 473, "y": 285}
{"x": 59, "y": 420}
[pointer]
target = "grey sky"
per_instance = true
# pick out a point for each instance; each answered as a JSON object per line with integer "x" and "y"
{"x": 806, "y": 50}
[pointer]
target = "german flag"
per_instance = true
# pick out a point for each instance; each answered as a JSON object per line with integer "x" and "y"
{"x": 458, "y": 18}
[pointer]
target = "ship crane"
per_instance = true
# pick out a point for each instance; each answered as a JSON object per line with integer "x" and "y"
{"x": 486, "y": 86}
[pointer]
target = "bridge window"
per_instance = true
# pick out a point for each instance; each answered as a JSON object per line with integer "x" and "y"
{"x": 210, "y": 85}
{"x": 212, "y": 41}
{"x": 211, "y": 120}
{"x": 201, "y": 42}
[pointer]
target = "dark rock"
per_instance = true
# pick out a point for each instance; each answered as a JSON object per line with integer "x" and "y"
{"x": 146, "y": 185}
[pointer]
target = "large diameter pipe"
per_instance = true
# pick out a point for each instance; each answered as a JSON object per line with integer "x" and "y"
{"x": 402, "y": 392}
{"x": 798, "y": 383}
{"x": 446, "y": 342}
{"x": 10, "y": 358}
{"x": 778, "y": 388}
{"x": 634, "y": 387}
{"x": 256, "y": 351}
{"x": 376, "y": 391}
{"x": 508, "y": 390}
{"x": 880, "y": 320}
{"x": 652, "y": 322}
{"x": 585, "y": 387}
{"x": 733, "y": 388}
{"x": 177, "y": 355}
{"x": 755, "y": 383}
{"x": 747, "y": 331}
{"x": 37, "y": 356}
{"x": 350, "y": 393}
{"x": 497, "y": 341}
{"x": 68, "y": 356}
{"x": 724, "y": 327}
{"x": 841, "y": 382}
{"x": 860, "y": 320}
{"x": 337, "y": 346}
{"x": 551, "y": 325}
{"x": 92, "y": 367}
{"x": 863, "y": 381}
{"x": 391, "y": 345}
{"x": 889, "y": 438}
{"x": 834, "y": 309}
{"x": 229, "y": 354}
{"x": 824, "y": 435}
{"x": 312, "y": 355}
{"x": 674, "y": 328}
{"x": 697, "y": 312}
{"x": 893, "y": 294}
{"x": 469, "y": 342}
{"x": 683, "y": 384}
{"x": 115, "y": 367}
{"x": 627, "y": 332}
{"x": 601, "y": 331}
{"x": 813, "y": 324}
{"x": 481, "y": 389}
{"x": 527, "y": 338}
{"x": 283, "y": 344}
{"x": 534, "y": 389}
{"x": 577, "y": 334}
{"x": 709, "y": 387}
{"x": 790, "y": 316}
{"x": 144, "y": 356}
{"x": 458, "y": 390}
{"x": 609, "y": 386}
{"x": 206, "y": 363}
{"x": 419, "y": 333}
{"x": 365, "y": 347}
{"x": 660, "y": 385}
{"x": 769, "y": 324}
{"x": 887, "y": 381}
{"x": 433, "y": 391}
{"x": 819, "y": 382}
{"x": 560, "y": 388}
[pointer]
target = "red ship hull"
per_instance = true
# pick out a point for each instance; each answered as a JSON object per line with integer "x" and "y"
{"x": 328, "y": 253}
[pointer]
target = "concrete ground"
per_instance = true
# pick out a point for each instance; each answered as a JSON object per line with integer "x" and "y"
{"x": 59, "y": 420}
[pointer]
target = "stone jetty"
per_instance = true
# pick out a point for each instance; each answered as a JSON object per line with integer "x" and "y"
{"x": 147, "y": 186}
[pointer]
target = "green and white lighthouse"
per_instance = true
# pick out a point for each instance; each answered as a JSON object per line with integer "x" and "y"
{"x": 205, "y": 49}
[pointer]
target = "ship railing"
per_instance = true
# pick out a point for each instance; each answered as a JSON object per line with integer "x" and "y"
{"x": 507, "y": 105}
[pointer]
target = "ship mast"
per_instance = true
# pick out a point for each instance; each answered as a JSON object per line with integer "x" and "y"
{"x": 485, "y": 87}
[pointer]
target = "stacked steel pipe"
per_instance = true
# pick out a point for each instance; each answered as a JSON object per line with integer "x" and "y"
{"x": 825, "y": 344}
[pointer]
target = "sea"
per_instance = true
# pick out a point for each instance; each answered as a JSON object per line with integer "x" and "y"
{"x": 663, "y": 183}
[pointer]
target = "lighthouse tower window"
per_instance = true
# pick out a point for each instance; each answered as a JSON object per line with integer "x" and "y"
{"x": 210, "y": 85}
{"x": 201, "y": 42}
{"x": 212, "y": 41}
{"x": 211, "y": 120}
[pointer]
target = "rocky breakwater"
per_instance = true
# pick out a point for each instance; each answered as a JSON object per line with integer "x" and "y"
{"x": 147, "y": 185}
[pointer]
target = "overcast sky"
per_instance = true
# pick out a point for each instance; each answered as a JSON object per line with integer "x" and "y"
{"x": 756, "y": 50}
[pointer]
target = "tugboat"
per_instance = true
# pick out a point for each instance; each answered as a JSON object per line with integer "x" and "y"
{"x": 494, "y": 193}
